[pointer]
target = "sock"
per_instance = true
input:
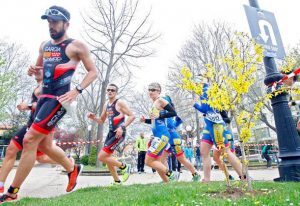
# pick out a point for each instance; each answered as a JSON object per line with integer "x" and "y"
{"x": 13, "y": 190}
{"x": 1, "y": 184}
{"x": 118, "y": 181}
{"x": 123, "y": 166}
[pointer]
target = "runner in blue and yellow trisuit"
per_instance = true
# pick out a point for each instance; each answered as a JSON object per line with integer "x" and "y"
{"x": 214, "y": 133}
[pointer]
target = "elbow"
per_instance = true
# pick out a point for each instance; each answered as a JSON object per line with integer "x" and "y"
{"x": 133, "y": 117}
{"x": 95, "y": 74}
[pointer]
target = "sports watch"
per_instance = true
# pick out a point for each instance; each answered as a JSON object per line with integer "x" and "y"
{"x": 79, "y": 89}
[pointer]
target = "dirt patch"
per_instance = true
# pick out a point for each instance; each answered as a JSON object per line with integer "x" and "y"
{"x": 234, "y": 193}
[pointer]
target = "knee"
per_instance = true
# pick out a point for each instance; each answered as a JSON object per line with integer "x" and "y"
{"x": 204, "y": 155}
{"x": 40, "y": 159}
{"x": 11, "y": 152}
{"x": 148, "y": 162}
{"x": 30, "y": 141}
{"x": 102, "y": 157}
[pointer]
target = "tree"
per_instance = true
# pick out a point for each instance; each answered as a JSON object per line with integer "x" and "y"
{"x": 229, "y": 84}
{"x": 15, "y": 85}
{"x": 118, "y": 38}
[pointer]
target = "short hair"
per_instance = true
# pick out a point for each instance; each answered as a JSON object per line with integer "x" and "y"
{"x": 113, "y": 85}
{"x": 155, "y": 85}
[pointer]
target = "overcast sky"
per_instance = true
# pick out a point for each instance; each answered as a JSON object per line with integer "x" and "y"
{"x": 174, "y": 19}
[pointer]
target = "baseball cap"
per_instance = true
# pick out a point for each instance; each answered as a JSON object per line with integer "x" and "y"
{"x": 57, "y": 13}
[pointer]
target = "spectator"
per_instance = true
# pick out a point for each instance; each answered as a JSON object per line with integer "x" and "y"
{"x": 188, "y": 151}
{"x": 265, "y": 154}
{"x": 141, "y": 146}
{"x": 198, "y": 157}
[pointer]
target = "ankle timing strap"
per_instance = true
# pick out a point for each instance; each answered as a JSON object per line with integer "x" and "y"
{"x": 13, "y": 190}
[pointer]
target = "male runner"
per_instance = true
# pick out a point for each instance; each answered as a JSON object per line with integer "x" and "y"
{"x": 161, "y": 109}
{"x": 16, "y": 143}
{"x": 175, "y": 143}
{"x": 214, "y": 134}
{"x": 58, "y": 58}
{"x": 115, "y": 110}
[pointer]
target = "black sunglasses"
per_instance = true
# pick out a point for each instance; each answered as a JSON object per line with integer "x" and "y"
{"x": 110, "y": 90}
{"x": 152, "y": 90}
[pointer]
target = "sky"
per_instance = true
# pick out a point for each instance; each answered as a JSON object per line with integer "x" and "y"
{"x": 174, "y": 19}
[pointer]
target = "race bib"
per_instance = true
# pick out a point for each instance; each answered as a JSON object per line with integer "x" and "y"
{"x": 214, "y": 117}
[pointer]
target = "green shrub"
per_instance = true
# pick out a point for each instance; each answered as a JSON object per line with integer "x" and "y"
{"x": 93, "y": 156}
{"x": 84, "y": 160}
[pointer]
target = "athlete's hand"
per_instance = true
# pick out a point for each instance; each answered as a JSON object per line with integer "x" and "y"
{"x": 91, "y": 116}
{"x": 142, "y": 119}
{"x": 33, "y": 69}
{"x": 22, "y": 106}
{"x": 119, "y": 131}
{"x": 68, "y": 97}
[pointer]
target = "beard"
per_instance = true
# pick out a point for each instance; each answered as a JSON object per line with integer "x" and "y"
{"x": 58, "y": 35}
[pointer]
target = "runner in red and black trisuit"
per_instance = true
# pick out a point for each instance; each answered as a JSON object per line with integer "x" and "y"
{"x": 16, "y": 143}
{"x": 58, "y": 58}
{"x": 115, "y": 109}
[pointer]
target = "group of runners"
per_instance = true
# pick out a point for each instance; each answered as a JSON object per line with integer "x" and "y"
{"x": 54, "y": 68}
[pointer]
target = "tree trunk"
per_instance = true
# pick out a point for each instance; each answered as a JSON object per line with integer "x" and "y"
{"x": 244, "y": 165}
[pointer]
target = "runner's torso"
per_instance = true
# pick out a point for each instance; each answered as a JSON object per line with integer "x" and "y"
{"x": 159, "y": 126}
{"x": 58, "y": 69}
{"x": 115, "y": 118}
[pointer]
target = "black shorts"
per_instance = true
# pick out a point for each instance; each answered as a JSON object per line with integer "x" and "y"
{"x": 48, "y": 112}
{"x": 112, "y": 142}
{"x": 19, "y": 137}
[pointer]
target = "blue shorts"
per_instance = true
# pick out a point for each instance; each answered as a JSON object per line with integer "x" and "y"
{"x": 230, "y": 139}
{"x": 215, "y": 134}
{"x": 175, "y": 144}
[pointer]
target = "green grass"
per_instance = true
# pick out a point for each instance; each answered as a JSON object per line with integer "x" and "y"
{"x": 182, "y": 193}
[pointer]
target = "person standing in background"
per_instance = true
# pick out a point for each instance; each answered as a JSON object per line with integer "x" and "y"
{"x": 141, "y": 146}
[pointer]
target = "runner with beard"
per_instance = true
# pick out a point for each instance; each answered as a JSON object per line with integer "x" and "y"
{"x": 58, "y": 58}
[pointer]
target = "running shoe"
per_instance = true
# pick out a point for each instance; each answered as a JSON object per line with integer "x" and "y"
{"x": 115, "y": 184}
{"x": 6, "y": 198}
{"x": 196, "y": 178}
{"x": 230, "y": 177}
{"x": 172, "y": 177}
{"x": 126, "y": 172}
{"x": 73, "y": 177}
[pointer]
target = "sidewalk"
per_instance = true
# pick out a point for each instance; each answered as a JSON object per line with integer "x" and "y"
{"x": 46, "y": 181}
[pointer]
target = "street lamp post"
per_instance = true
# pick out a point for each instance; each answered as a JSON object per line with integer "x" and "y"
{"x": 288, "y": 139}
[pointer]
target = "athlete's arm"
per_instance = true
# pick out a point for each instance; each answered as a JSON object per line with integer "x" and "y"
{"x": 39, "y": 62}
{"x": 82, "y": 53}
{"x": 168, "y": 107}
{"x": 125, "y": 110}
{"x": 99, "y": 120}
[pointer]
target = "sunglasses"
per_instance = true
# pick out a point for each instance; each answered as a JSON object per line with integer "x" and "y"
{"x": 152, "y": 90}
{"x": 55, "y": 12}
{"x": 110, "y": 90}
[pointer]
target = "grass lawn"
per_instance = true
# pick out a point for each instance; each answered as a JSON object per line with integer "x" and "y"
{"x": 178, "y": 194}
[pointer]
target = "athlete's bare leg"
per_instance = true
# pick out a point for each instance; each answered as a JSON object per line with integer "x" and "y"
{"x": 9, "y": 160}
{"x": 158, "y": 166}
{"x": 205, "y": 150}
{"x": 111, "y": 163}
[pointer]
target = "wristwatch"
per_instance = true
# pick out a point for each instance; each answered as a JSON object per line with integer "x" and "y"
{"x": 123, "y": 128}
{"x": 29, "y": 105}
{"x": 79, "y": 89}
